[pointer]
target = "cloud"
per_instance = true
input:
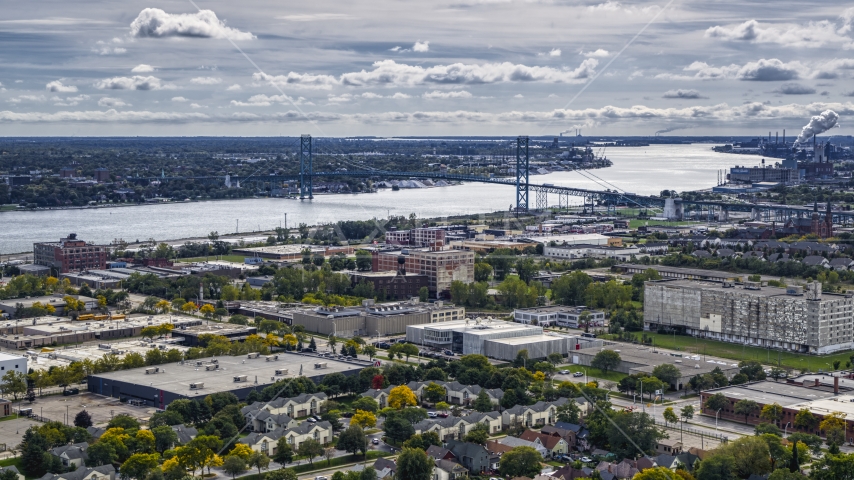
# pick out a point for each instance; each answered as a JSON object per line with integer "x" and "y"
{"x": 316, "y": 17}
{"x": 421, "y": 47}
{"x": 617, "y": 7}
{"x": 555, "y": 52}
{"x": 397, "y": 49}
{"x": 392, "y": 74}
{"x": 810, "y": 35}
{"x": 398, "y": 96}
{"x": 142, "y": 68}
{"x": 234, "y": 88}
{"x": 599, "y": 53}
{"x": 179, "y": 99}
{"x": 436, "y": 94}
{"x": 57, "y": 86}
{"x": 72, "y": 101}
{"x": 267, "y": 100}
{"x": 196, "y": 105}
{"x": 155, "y": 23}
{"x": 635, "y": 74}
{"x": 112, "y": 102}
{"x": 137, "y": 82}
{"x": 27, "y": 98}
{"x": 683, "y": 94}
{"x": 518, "y": 95}
{"x": 795, "y": 89}
{"x": 109, "y": 48}
{"x": 206, "y": 80}
{"x": 763, "y": 70}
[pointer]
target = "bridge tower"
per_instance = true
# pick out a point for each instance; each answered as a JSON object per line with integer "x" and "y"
{"x": 305, "y": 167}
{"x": 522, "y": 173}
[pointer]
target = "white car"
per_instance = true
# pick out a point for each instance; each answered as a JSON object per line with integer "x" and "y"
{"x": 578, "y": 374}
{"x": 310, "y": 420}
{"x": 586, "y": 459}
{"x": 432, "y": 414}
{"x": 564, "y": 372}
{"x": 320, "y": 478}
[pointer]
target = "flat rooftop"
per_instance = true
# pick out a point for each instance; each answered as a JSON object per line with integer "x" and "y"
{"x": 472, "y": 327}
{"x": 176, "y": 378}
{"x": 697, "y": 273}
{"x": 6, "y": 356}
{"x": 645, "y": 355}
{"x": 534, "y": 338}
{"x": 785, "y": 394}
{"x": 282, "y": 249}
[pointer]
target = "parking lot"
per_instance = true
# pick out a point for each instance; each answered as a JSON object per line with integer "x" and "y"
{"x": 101, "y": 408}
{"x": 12, "y": 431}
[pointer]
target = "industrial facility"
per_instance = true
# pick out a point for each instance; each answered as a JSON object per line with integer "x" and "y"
{"x": 160, "y": 385}
{"x": 495, "y": 339}
{"x": 375, "y": 319}
{"x": 798, "y": 319}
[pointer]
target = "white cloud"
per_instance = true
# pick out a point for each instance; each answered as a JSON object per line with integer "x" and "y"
{"x": 810, "y": 35}
{"x": 234, "y": 88}
{"x": 372, "y": 95}
{"x": 763, "y": 70}
{"x": 555, "y": 52}
{"x": 19, "y": 81}
{"x": 206, "y": 80}
{"x": 437, "y": 94}
{"x": 617, "y": 7}
{"x": 316, "y": 17}
{"x": 112, "y": 102}
{"x": 267, "y": 100}
{"x": 196, "y": 105}
{"x": 598, "y": 53}
{"x": 57, "y": 86}
{"x": 635, "y": 74}
{"x": 343, "y": 98}
{"x": 109, "y": 48}
{"x": 72, "y": 101}
{"x": 392, "y": 74}
{"x": 155, "y": 23}
{"x": 142, "y": 68}
{"x": 396, "y": 49}
{"x": 682, "y": 94}
{"x": 518, "y": 95}
{"x": 27, "y": 98}
{"x": 179, "y": 99}
{"x": 421, "y": 47}
{"x": 399, "y": 96}
{"x": 137, "y": 82}
{"x": 795, "y": 89}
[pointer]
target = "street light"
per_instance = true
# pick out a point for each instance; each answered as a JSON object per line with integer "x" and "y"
{"x": 786, "y": 427}
{"x": 716, "y": 419}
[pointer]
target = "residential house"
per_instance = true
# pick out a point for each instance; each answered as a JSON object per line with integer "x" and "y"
{"x": 568, "y": 472}
{"x": 11, "y": 468}
{"x": 300, "y": 406}
{"x": 701, "y": 254}
{"x": 540, "y": 413}
{"x": 266, "y": 442}
{"x": 622, "y": 471}
{"x": 779, "y": 257}
{"x": 440, "y": 453}
{"x": 514, "y": 442}
{"x": 668, "y": 446}
{"x": 73, "y": 455}
{"x": 815, "y": 261}
{"x": 580, "y": 435}
{"x": 491, "y": 419}
{"x": 495, "y": 448}
{"x": 448, "y": 470}
{"x": 841, "y": 263}
{"x": 686, "y": 461}
{"x": 184, "y": 433}
{"x": 754, "y": 254}
{"x": 459, "y": 394}
{"x": 725, "y": 253}
{"x": 473, "y": 456}
{"x": 268, "y": 421}
{"x": 555, "y": 445}
{"x": 104, "y": 472}
{"x": 385, "y": 468}
{"x": 96, "y": 432}
{"x": 381, "y": 396}
{"x": 653, "y": 248}
{"x": 447, "y": 428}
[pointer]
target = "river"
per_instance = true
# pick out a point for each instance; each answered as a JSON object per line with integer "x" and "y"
{"x": 641, "y": 170}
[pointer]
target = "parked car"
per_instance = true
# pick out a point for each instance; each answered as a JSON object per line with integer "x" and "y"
{"x": 347, "y": 414}
{"x": 443, "y": 414}
{"x": 432, "y": 414}
{"x": 564, "y": 372}
{"x": 375, "y": 441}
{"x": 310, "y": 420}
{"x": 578, "y": 374}
{"x": 317, "y": 417}
{"x": 586, "y": 459}
{"x": 320, "y": 478}
{"x": 449, "y": 353}
{"x": 565, "y": 458}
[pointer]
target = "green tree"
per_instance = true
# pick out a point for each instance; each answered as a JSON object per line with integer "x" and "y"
{"x": 83, "y": 419}
{"x": 745, "y": 407}
{"x": 139, "y": 465}
{"x": 282, "y": 474}
{"x": 571, "y": 289}
{"x": 667, "y": 373}
{"x": 630, "y": 431}
{"x": 367, "y": 404}
{"x": 233, "y": 465}
{"x": 805, "y": 420}
{"x": 482, "y": 403}
{"x": 568, "y": 412}
{"x": 310, "y": 448}
{"x": 258, "y": 460}
{"x": 423, "y": 294}
{"x": 717, "y": 467}
{"x": 606, "y": 360}
{"x": 482, "y": 272}
{"x": 434, "y": 392}
{"x": 717, "y": 402}
{"x": 771, "y": 413}
{"x": 13, "y": 382}
{"x": 833, "y": 467}
{"x": 414, "y": 464}
{"x": 353, "y": 440}
{"x": 34, "y": 445}
{"x": 520, "y": 462}
{"x": 670, "y": 415}
{"x": 164, "y": 438}
{"x": 101, "y": 453}
{"x": 479, "y": 434}
{"x": 284, "y": 452}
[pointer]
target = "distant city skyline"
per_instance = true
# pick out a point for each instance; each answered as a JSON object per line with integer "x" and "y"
{"x": 468, "y": 67}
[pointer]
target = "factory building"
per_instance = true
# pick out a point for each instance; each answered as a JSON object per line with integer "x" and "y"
{"x": 494, "y": 338}
{"x": 392, "y": 285}
{"x": 798, "y": 319}
{"x": 762, "y": 174}
{"x": 70, "y": 255}
{"x": 159, "y": 386}
{"x": 441, "y": 266}
{"x": 375, "y": 319}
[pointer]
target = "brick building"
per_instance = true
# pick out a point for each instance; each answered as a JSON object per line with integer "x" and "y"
{"x": 70, "y": 255}
{"x": 441, "y": 266}
{"x": 393, "y": 285}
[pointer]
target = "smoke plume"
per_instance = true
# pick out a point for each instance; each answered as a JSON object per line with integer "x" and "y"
{"x": 818, "y": 124}
{"x": 670, "y": 129}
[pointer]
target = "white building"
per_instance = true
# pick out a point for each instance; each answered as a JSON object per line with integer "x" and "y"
{"x": 569, "y": 252}
{"x": 12, "y": 362}
{"x": 572, "y": 317}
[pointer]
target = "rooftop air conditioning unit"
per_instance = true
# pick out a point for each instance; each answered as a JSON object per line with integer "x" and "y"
{"x": 151, "y": 370}
{"x": 211, "y": 367}
{"x": 281, "y": 371}
{"x": 240, "y": 378}
{"x": 253, "y": 355}
{"x": 197, "y": 385}
{"x": 320, "y": 365}
{"x": 272, "y": 358}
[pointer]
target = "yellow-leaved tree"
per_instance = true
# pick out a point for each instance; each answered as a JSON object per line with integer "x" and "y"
{"x": 401, "y": 396}
{"x": 364, "y": 419}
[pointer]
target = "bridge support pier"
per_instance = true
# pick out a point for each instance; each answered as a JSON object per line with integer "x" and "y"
{"x": 542, "y": 200}
{"x": 306, "y": 187}
{"x": 522, "y": 158}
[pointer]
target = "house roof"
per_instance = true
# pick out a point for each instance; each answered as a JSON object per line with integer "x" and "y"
{"x": 841, "y": 262}
{"x": 812, "y": 260}
{"x": 72, "y": 452}
{"x": 466, "y": 449}
{"x": 383, "y": 463}
{"x": 81, "y": 473}
{"x": 438, "y": 452}
{"x": 184, "y": 433}
{"x": 548, "y": 441}
{"x": 518, "y": 442}
{"x": 493, "y": 446}
{"x": 450, "y": 466}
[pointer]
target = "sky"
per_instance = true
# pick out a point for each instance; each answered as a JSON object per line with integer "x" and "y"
{"x": 405, "y": 67}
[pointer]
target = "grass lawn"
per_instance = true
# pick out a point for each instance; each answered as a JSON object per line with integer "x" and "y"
{"x": 593, "y": 373}
{"x": 740, "y": 352}
{"x": 227, "y": 258}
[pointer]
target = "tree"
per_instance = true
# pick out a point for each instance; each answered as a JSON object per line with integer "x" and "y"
{"x": 813, "y": 442}
{"x": 479, "y": 434}
{"x": 101, "y": 453}
{"x": 233, "y": 465}
{"x": 805, "y": 420}
{"x": 520, "y": 462}
{"x": 367, "y": 404}
{"x": 784, "y": 474}
{"x": 833, "y": 467}
{"x": 414, "y": 464}
{"x": 667, "y": 373}
{"x": 745, "y": 407}
{"x": 14, "y": 382}
{"x": 751, "y": 455}
{"x": 258, "y": 460}
{"x": 364, "y": 419}
{"x": 353, "y": 440}
{"x": 310, "y": 448}
{"x": 777, "y": 373}
{"x": 771, "y": 413}
{"x": 401, "y": 396}
{"x": 670, "y": 415}
{"x": 284, "y": 452}
{"x": 434, "y": 392}
{"x": 794, "y": 465}
{"x": 630, "y": 431}
{"x": 83, "y": 419}
{"x": 657, "y": 473}
{"x": 833, "y": 426}
{"x": 282, "y": 474}
{"x": 716, "y": 402}
{"x": 482, "y": 403}
{"x": 139, "y": 465}
{"x": 606, "y": 360}
{"x": 398, "y": 429}
{"x": 423, "y": 294}
{"x": 717, "y": 467}
{"x": 33, "y": 448}
{"x": 8, "y": 474}
{"x": 369, "y": 350}
{"x": 753, "y": 369}
{"x": 555, "y": 358}
{"x": 568, "y": 412}
{"x": 423, "y": 441}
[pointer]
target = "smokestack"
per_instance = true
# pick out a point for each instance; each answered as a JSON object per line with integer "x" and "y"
{"x": 836, "y": 385}
{"x": 776, "y": 138}
{"x": 784, "y": 136}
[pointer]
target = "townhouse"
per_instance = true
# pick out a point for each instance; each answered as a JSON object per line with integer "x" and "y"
{"x": 555, "y": 445}
{"x": 267, "y": 442}
{"x": 103, "y": 472}
{"x": 281, "y": 411}
{"x": 73, "y": 455}
{"x": 455, "y": 393}
{"x": 540, "y": 413}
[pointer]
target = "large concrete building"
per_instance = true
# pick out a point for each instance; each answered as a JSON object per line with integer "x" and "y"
{"x": 195, "y": 379}
{"x": 375, "y": 319}
{"x": 441, "y": 266}
{"x": 392, "y": 285}
{"x": 572, "y": 317}
{"x": 70, "y": 255}
{"x": 799, "y": 319}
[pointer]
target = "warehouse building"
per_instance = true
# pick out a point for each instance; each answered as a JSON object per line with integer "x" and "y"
{"x": 538, "y": 346}
{"x": 798, "y": 319}
{"x": 375, "y": 319}
{"x": 572, "y": 317}
{"x": 641, "y": 359}
{"x": 159, "y": 386}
